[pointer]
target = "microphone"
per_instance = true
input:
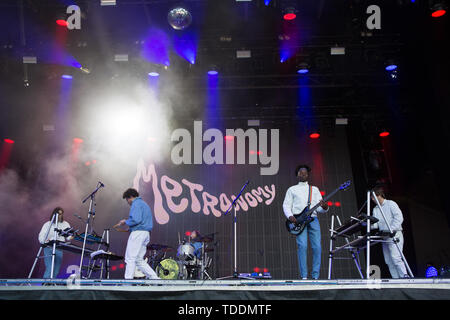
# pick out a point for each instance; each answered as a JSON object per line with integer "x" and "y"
{"x": 101, "y": 184}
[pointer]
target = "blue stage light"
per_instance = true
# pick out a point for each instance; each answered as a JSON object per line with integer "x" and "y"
{"x": 153, "y": 74}
{"x": 391, "y": 67}
{"x": 431, "y": 272}
{"x": 66, "y": 76}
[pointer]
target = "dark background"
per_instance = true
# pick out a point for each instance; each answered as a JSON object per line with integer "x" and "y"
{"x": 414, "y": 107}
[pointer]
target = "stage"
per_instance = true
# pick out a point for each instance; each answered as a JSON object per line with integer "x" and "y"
{"x": 234, "y": 289}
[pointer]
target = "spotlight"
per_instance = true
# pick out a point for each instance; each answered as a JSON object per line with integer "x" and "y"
{"x": 289, "y": 13}
{"x": 66, "y": 76}
{"x": 179, "y": 18}
{"x": 384, "y": 133}
{"x": 390, "y": 65}
{"x": 213, "y": 71}
{"x": 303, "y": 68}
{"x": 61, "y": 22}
{"x": 314, "y": 135}
{"x": 153, "y": 74}
{"x": 431, "y": 272}
{"x": 10, "y": 141}
{"x": 438, "y": 10}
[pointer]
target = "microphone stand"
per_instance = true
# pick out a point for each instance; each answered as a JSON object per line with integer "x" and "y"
{"x": 233, "y": 205}
{"x": 91, "y": 213}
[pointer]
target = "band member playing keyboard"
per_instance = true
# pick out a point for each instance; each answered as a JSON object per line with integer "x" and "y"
{"x": 140, "y": 224}
{"x": 394, "y": 218}
{"x": 296, "y": 199}
{"x": 48, "y": 251}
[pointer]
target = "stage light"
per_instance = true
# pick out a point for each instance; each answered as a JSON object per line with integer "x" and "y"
{"x": 384, "y": 134}
{"x": 153, "y": 74}
{"x": 179, "y": 18}
{"x": 289, "y": 13}
{"x": 314, "y": 135}
{"x": 438, "y": 10}
{"x": 303, "y": 68}
{"x": 29, "y": 59}
{"x": 330, "y": 204}
{"x": 107, "y": 2}
{"x": 337, "y": 204}
{"x": 391, "y": 67}
{"x": 431, "y": 272}
{"x": 213, "y": 71}
{"x": 121, "y": 57}
{"x": 10, "y": 141}
{"x": 61, "y": 22}
{"x": 66, "y": 76}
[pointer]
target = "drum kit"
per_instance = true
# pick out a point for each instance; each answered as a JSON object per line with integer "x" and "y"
{"x": 190, "y": 262}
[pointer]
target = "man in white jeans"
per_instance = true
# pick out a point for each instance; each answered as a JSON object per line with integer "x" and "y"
{"x": 394, "y": 217}
{"x": 140, "y": 223}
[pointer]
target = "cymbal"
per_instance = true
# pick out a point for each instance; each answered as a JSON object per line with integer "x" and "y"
{"x": 155, "y": 246}
{"x": 204, "y": 239}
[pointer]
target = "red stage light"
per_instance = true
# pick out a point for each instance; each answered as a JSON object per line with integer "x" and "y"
{"x": 289, "y": 16}
{"x": 384, "y": 134}
{"x": 259, "y": 152}
{"x": 256, "y": 269}
{"x": 188, "y": 233}
{"x": 265, "y": 270}
{"x": 121, "y": 266}
{"x": 322, "y": 193}
{"x": 314, "y": 135}
{"x": 77, "y": 140}
{"x": 337, "y": 204}
{"x": 438, "y": 13}
{"x": 9, "y": 141}
{"x": 87, "y": 163}
{"x": 113, "y": 268}
{"x": 61, "y": 22}
{"x": 330, "y": 204}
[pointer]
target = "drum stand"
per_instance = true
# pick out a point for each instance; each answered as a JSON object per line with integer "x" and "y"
{"x": 54, "y": 218}
{"x": 235, "y": 271}
{"x": 91, "y": 213}
{"x": 204, "y": 266}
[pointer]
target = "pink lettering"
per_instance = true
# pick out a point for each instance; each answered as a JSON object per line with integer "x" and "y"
{"x": 251, "y": 200}
{"x": 195, "y": 206}
{"x": 211, "y": 202}
{"x": 176, "y": 191}
{"x": 161, "y": 215}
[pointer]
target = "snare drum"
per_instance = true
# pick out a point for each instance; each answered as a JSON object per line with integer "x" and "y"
{"x": 185, "y": 252}
{"x": 169, "y": 269}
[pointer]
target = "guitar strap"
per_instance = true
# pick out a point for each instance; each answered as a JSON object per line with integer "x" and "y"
{"x": 309, "y": 197}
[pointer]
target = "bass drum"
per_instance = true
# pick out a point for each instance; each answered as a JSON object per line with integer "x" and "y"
{"x": 169, "y": 269}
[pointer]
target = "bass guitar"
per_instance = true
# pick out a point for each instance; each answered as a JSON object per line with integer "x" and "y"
{"x": 304, "y": 218}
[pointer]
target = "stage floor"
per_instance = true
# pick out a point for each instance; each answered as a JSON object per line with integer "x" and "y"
{"x": 233, "y": 289}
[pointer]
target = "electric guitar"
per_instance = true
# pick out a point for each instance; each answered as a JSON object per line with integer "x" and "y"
{"x": 304, "y": 218}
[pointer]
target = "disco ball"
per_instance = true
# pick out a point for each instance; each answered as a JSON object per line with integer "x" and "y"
{"x": 179, "y": 18}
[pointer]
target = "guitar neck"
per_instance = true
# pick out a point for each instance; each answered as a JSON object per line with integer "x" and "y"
{"x": 324, "y": 199}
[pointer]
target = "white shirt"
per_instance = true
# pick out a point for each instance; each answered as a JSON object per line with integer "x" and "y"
{"x": 392, "y": 213}
{"x": 51, "y": 235}
{"x": 296, "y": 199}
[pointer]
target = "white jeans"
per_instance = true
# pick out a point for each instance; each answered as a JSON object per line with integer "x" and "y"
{"x": 134, "y": 255}
{"x": 393, "y": 258}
